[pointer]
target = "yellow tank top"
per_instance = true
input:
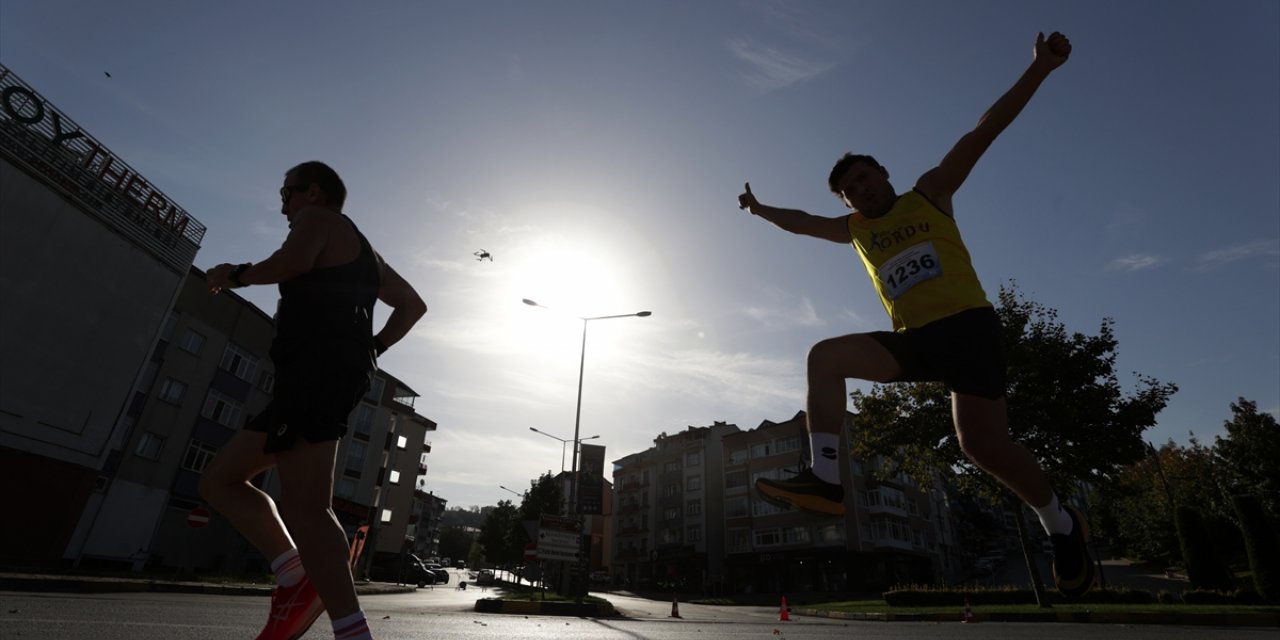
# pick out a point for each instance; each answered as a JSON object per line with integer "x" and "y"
{"x": 917, "y": 262}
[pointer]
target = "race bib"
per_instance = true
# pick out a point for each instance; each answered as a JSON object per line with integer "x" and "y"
{"x": 909, "y": 268}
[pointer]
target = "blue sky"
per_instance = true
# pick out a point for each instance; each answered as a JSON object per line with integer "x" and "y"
{"x": 596, "y": 149}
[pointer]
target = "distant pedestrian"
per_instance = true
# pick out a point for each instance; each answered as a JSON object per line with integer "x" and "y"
{"x": 945, "y": 329}
{"x": 325, "y": 353}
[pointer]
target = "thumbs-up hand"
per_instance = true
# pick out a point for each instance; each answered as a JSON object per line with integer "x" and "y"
{"x": 747, "y": 200}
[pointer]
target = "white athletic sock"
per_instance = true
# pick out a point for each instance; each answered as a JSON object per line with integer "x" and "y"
{"x": 826, "y": 458}
{"x": 288, "y": 568}
{"x": 352, "y": 627}
{"x": 1054, "y": 518}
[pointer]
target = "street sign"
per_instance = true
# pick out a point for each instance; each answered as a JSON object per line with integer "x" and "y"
{"x": 559, "y": 538}
{"x": 530, "y": 553}
{"x": 198, "y": 518}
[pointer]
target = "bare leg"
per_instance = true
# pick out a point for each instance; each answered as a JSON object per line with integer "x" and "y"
{"x": 306, "y": 478}
{"x": 225, "y": 486}
{"x": 982, "y": 425}
{"x": 830, "y": 363}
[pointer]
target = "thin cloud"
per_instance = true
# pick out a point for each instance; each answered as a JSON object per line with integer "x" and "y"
{"x": 771, "y": 69}
{"x": 1263, "y": 248}
{"x": 1135, "y": 262}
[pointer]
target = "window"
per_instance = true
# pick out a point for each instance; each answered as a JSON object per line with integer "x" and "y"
{"x": 671, "y": 513}
{"x": 266, "y": 381}
{"x": 771, "y": 474}
{"x": 767, "y": 537}
{"x": 171, "y": 391}
{"x": 386, "y": 516}
{"x": 364, "y": 420}
{"x": 239, "y": 362}
{"x": 166, "y": 332}
{"x": 345, "y": 488}
{"x": 192, "y": 342}
{"x": 149, "y": 446}
{"x": 671, "y": 466}
{"x": 761, "y": 450}
{"x": 856, "y": 466}
{"x": 738, "y": 457}
{"x": 831, "y": 533}
{"x": 149, "y": 376}
{"x": 693, "y": 459}
{"x": 672, "y": 489}
{"x": 375, "y": 391}
{"x": 783, "y": 445}
{"x": 198, "y": 456}
{"x": 670, "y": 536}
{"x": 735, "y": 507}
{"x": 795, "y": 535}
{"x": 355, "y": 455}
{"x": 738, "y": 541}
{"x": 762, "y": 508}
{"x": 693, "y": 508}
{"x": 693, "y": 483}
{"x": 735, "y": 479}
{"x": 402, "y": 442}
{"x": 221, "y": 409}
{"x": 394, "y": 477}
{"x": 693, "y": 533}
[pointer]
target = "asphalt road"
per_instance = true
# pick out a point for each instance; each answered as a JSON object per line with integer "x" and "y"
{"x": 445, "y": 612}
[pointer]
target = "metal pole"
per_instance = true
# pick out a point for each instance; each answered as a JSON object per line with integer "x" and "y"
{"x": 577, "y": 422}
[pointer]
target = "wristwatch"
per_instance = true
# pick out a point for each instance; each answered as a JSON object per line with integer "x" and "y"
{"x": 237, "y": 272}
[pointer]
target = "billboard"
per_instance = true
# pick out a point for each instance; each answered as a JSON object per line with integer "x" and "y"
{"x": 591, "y": 480}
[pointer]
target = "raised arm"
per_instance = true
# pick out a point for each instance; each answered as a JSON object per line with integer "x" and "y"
{"x": 945, "y": 179}
{"x": 796, "y": 221}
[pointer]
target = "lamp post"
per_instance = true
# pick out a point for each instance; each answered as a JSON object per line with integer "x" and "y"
{"x": 511, "y": 490}
{"x": 577, "y": 418}
{"x": 563, "y": 442}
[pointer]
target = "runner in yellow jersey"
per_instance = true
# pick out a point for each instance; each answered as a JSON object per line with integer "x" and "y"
{"x": 945, "y": 329}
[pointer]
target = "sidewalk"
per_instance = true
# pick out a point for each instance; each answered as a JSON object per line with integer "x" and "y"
{"x": 10, "y": 581}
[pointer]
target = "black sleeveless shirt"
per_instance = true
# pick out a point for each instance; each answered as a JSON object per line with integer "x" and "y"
{"x": 326, "y": 314}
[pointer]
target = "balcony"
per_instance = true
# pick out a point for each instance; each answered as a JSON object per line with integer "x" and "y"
{"x": 884, "y": 509}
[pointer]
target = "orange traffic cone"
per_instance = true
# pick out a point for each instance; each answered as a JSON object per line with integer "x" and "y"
{"x": 675, "y": 606}
{"x": 784, "y": 612}
{"x": 968, "y": 613}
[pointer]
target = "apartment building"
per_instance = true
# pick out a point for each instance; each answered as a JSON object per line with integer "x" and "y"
{"x": 429, "y": 511}
{"x": 688, "y": 516}
{"x": 670, "y": 509}
{"x": 92, "y": 256}
{"x": 208, "y": 375}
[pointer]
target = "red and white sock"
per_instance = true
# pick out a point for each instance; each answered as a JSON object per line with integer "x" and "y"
{"x": 352, "y": 627}
{"x": 288, "y": 568}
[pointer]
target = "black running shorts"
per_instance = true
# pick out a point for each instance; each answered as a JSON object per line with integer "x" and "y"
{"x": 311, "y": 399}
{"x": 965, "y": 351}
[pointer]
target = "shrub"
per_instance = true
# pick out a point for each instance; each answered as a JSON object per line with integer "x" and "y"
{"x": 1259, "y": 541}
{"x": 1204, "y": 569}
{"x": 1164, "y": 597}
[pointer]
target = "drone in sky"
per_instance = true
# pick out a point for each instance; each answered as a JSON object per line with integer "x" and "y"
{"x": 483, "y": 255}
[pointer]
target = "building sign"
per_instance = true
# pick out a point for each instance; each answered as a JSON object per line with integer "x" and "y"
{"x": 591, "y": 480}
{"x": 559, "y": 538}
{"x": 38, "y": 137}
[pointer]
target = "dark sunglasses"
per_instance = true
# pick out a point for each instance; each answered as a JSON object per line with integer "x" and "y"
{"x": 287, "y": 191}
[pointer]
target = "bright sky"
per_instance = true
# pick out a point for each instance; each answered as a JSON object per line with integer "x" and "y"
{"x": 596, "y": 149}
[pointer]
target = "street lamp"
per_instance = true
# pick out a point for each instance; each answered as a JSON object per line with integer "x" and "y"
{"x": 577, "y": 418}
{"x": 563, "y": 442}
{"x": 512, "y": 491}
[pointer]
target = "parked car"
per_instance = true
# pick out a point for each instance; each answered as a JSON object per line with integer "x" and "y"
{"x": 442, "y": 574}
{"x": 601, "y": 578}
{"x": 484, "y": 576}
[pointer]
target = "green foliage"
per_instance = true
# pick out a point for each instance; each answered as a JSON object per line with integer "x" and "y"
{"x": 1260, "y": 542}
{"x": 495, "y": 534}
{"x": 455, "y": 542}
{"x": 1248, "y": 455}
{"x": 1065, "y": 405}
{"x": 1211, "y": 596}
{"x": 1204, "y": 569}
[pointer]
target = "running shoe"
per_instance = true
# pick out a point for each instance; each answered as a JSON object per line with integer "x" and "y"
{"x": 293, "y": 610}
{"x": 806, "y": 491}
{"x": 1073, "y": 569}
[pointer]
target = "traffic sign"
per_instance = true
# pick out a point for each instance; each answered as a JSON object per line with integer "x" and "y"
{"x": 198, "y": 518}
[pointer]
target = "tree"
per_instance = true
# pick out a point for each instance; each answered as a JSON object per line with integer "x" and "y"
{"x": 1248, "y": 456}
{"x": 1065, "y": 404}
{"x": 495, "y": 534}
{"x": 455, "y": 542}
{"x": 544, "y": 496}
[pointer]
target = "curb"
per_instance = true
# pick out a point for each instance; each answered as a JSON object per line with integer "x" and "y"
{"x": 1186, "y": 619}
{"x": 89, "y": 584}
